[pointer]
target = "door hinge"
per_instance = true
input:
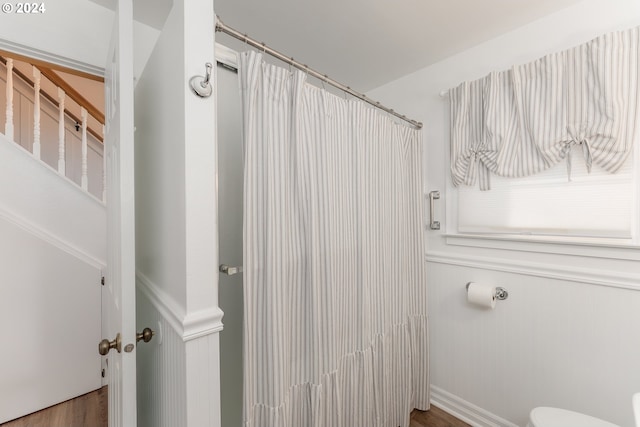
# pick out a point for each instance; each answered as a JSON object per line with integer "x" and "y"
{"x": 103, "y": 373}
{"x": 102, "y": 280}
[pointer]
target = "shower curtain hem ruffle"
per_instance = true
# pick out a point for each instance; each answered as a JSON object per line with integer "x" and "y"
{"x": 375, "y": 374}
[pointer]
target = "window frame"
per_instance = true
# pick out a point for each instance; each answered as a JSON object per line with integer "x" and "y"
{"x": 598, "y": 247}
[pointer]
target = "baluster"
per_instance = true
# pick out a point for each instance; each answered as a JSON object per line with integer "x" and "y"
{"x": 8, "y": 127}
{"x": 104, "y": 167}
{"x": 84, "y": 180}
{"x": 61, "y": 162}
{"x": 36, "y": 113}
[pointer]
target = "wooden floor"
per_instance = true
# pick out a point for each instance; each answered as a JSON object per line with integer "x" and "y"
{"x": 435, "y": 417}
{"x": 90, "y": 410}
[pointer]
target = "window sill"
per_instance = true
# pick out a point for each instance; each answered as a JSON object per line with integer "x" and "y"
{"x": 589, "y": 247}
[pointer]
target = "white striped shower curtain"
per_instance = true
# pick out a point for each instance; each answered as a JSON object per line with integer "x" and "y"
{"x": 335, "y": 317}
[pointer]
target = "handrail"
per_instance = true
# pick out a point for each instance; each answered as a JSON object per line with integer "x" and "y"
{"x": 72, "y": 93}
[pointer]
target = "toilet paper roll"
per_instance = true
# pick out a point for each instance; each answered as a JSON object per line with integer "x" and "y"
{"x": 481, "y": 295}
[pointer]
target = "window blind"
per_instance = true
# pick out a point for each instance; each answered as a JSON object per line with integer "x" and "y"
{"x": 525, "y": 120}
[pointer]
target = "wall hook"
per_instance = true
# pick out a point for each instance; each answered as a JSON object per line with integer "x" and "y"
{"x": 201, "y": 86}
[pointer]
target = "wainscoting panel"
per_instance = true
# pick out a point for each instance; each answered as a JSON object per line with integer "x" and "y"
{"x": 553, "y": 342}
{"x": 161, "y": 365}
{"x": 178, "y": 370}
{"x": 203, "y": 373}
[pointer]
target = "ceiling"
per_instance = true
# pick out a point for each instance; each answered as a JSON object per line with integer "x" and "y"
{"x": 367, "y": 43}
{"x": 364, "y": 43}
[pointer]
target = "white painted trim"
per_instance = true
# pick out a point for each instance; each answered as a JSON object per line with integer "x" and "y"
{"x": 188, "y": 326}
{"x": 466, "y": 411}
{"x": 201, "y": 323}
{"x": 593, "y": 248}
{"x": 226, "y": 55}
{"x": 31, "y": 52}
{"x": 162, "y": 302}
{"x": 599, "y": 277}
{"x": 46, "y": 236}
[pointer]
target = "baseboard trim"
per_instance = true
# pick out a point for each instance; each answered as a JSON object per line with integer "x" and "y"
{"x": 50, "y": 238}
{"x": 466, "y": 411}
{"x": 189, "y": 326}
{"x": 20, "y": 150}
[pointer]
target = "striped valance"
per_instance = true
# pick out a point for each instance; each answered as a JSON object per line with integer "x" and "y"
{"x": 524, "y": 120}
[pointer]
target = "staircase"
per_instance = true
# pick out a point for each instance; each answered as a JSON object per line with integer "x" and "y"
{"x": 51, "y": 119}
{"x": 53, "y": 240}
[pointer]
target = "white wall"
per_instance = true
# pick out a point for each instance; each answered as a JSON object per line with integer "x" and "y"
{"x": 49, "y": 312}
{"x": 53, "y": 249}
{"x": 565, "y": 337}
{"x": 176, "y": 165}
{"x": 160, "y": 164}
{"x": 176, "y": 241}
{"x": 35, "y": 194}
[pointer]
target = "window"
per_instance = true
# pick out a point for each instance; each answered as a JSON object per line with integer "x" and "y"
{"x": 591, "y": 207}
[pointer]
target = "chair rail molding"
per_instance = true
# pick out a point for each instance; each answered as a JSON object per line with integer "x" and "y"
{"x": 189, "y": 326}
{"x": 590, "y": 276}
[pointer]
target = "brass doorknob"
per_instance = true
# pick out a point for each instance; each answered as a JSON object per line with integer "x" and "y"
{"x": 106, "y": 345}
{"x": 145, "y": 335}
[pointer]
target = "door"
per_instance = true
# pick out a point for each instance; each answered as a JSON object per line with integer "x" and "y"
{"x": 119, "y": 293}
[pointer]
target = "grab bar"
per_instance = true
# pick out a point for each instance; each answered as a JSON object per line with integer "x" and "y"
{"x": 434, "y": 225}
{"x": 229, "y": 270}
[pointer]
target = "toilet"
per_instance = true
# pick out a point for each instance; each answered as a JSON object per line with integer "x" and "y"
{"x": 555, "y": 417}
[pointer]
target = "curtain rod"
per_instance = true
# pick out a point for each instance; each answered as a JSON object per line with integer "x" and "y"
{"x": 222, "y": 27}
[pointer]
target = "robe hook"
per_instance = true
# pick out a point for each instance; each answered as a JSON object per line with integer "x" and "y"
{"x": 201, "y": 86}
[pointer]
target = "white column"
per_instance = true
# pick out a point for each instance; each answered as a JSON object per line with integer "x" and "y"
{"x": 104, "y": 167}
{"x": 84, "y": 180}
{"x": 8, "y": 127}
{"x": 61, "y": 162}
{"x": 36, "y": 113}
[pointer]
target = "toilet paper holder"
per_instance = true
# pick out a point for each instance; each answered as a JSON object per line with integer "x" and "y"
{"x": 501, "y": 293}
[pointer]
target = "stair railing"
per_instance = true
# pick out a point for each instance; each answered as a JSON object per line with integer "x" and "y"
{"x": 64, "y": 91}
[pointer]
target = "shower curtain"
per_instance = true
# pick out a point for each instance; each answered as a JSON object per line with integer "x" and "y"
{"x": 335, "y": 315}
